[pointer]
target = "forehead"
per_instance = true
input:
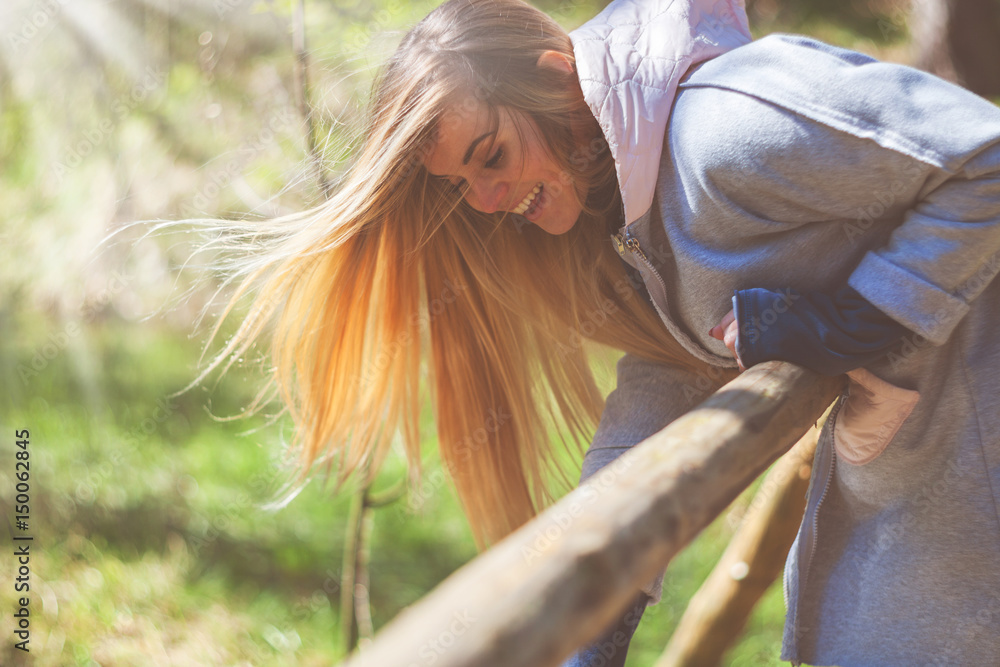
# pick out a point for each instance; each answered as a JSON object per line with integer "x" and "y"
{"x": 462, "y": 121}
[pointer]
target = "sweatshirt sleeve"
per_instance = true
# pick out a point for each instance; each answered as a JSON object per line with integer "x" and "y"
{"x": 944, "y": 254}
{"x": 860, "y": 143}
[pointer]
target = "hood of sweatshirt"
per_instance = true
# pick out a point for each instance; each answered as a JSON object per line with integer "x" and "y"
{"x": 630, "y": 59}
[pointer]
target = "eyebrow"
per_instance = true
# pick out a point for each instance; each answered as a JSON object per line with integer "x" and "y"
{"x": 472, "y": 146}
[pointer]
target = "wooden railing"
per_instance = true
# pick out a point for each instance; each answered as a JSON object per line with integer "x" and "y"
{"x": 556, "y": 583}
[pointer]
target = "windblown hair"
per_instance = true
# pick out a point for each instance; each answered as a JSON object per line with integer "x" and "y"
{"x": 395, "y": 280}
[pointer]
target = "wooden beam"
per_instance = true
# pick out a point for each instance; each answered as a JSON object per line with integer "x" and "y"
{"x": 715, "y": 616}
{"x": 560, "y": 580}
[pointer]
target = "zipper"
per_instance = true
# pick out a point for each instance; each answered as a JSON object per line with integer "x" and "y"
{"x": 626, "y": 240}
{"x": 784, "y": 577}
{"x": 632, "y": 244}
{"x": 829, "y": 464}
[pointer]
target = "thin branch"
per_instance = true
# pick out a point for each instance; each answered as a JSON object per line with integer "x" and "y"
{"x": 301, "y": 83}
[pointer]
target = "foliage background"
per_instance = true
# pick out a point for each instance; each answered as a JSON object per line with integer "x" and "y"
{"x": 150, "y": 543}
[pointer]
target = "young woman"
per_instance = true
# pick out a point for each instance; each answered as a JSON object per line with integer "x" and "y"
{"x": 777, "y": 199}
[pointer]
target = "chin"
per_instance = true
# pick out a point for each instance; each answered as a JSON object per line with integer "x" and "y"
{"x": 558, "y": 227}
{"x": 559, "y": 230}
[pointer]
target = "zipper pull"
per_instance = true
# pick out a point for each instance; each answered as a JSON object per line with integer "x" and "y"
{"x": 633, "y": 245}
{"x": 619, "y": 244}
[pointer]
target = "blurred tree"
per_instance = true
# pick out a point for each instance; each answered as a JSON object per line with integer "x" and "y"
{"x": 877, "y": 22}
{"x": 960, "y": 41}
{"x": 13, "y": 123}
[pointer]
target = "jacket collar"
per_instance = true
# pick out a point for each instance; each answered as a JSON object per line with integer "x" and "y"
{"x": 630, "y": 59}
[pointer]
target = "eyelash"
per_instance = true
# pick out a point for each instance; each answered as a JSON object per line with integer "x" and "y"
{"x": 495, "y": 160}
{"x": 459, "y": 188}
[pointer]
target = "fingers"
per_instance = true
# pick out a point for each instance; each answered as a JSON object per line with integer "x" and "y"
{"x": 719, "y": 330}
{"x": 729, "y": 338}
{"x": 727, "y": 331}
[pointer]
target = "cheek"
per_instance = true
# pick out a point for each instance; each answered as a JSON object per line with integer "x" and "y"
{"x": 538, "y": 165}
{"x": 537, "y": 162}
{"x": 524, "y": 163}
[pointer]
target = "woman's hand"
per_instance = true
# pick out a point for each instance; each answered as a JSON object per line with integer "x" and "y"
{"x": 726, "y": 331}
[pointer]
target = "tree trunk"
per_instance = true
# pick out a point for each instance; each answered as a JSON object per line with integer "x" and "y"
{"x": 959, "y": 40}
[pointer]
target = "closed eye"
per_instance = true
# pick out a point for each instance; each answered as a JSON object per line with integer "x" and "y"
{"x": 461, "y": 186}
{"x": 495, "y": 160}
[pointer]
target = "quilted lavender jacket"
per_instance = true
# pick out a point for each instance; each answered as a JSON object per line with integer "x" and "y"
{"x": 787, "y": 163}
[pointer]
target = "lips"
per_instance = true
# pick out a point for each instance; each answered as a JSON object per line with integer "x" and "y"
{"x": 526, "y": 203}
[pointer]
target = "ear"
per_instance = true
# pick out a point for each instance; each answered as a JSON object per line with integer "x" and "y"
{"x": 554, "y": 60}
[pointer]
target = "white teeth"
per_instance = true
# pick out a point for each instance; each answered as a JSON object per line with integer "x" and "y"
{"x": 526, "y": 202}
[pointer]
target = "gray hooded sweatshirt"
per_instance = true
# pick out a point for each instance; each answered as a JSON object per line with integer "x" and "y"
{"x": 788, "y": 163}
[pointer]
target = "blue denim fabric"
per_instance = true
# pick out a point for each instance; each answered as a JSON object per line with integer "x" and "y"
{"x": 612, "y": 647}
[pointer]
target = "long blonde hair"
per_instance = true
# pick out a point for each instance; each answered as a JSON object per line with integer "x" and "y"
{"x": 394, "y": 280}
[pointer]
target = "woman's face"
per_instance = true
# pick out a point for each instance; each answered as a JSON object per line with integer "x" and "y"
{"x": 509, "y": 171}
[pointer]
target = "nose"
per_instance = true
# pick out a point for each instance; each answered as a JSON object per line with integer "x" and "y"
{"x": 487, "y": 195}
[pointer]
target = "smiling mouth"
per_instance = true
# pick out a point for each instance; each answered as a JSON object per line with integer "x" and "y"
{"x": 527, "y": 202}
